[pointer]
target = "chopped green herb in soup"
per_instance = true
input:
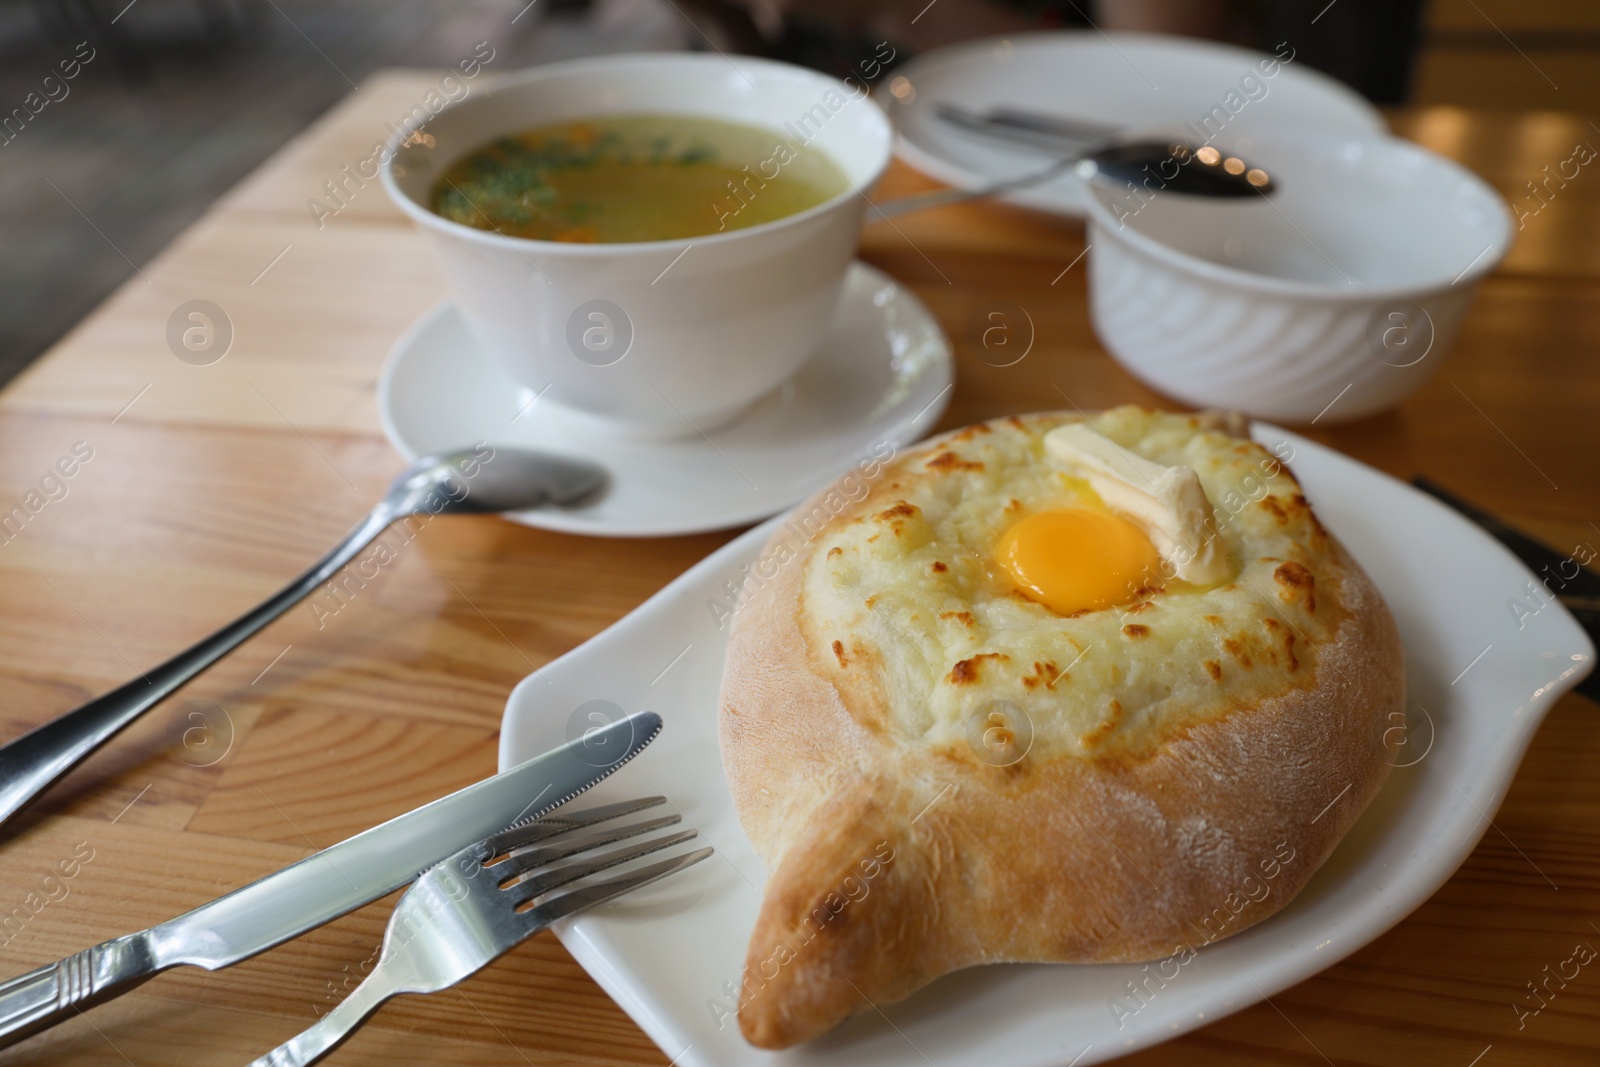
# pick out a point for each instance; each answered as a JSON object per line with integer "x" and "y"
{"x": 634, "y": 178}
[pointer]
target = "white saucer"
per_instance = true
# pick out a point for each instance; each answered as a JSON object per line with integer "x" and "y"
{"x": 882, "y": 375}
{"x": 1123, "y": 79}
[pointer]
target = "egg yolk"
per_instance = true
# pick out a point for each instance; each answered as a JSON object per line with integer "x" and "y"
{"x": 1077, "y": 559}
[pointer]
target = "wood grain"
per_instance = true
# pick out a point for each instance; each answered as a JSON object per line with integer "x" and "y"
{"x": 209, "y": 486}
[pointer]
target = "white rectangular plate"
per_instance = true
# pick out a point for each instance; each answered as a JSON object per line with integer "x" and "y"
{"x": 1480, "y": 679}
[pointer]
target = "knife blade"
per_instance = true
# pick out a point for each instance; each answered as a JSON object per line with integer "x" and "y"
{"x": 1578, "y": 592}
{"x": 322, "y": 886}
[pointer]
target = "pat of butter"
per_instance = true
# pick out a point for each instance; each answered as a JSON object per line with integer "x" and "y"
{"x": 1168, "y": 503}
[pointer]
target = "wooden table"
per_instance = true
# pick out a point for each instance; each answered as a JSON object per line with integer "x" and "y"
{"x": 209, "y": 485}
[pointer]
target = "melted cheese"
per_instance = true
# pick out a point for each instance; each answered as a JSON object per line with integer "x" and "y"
{"x": 923, "y": 615}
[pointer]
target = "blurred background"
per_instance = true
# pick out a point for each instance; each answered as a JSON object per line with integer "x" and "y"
{"x": 176, "y": 100}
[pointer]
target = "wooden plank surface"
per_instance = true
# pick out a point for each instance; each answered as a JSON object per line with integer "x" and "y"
{"x": 208, "y": 486}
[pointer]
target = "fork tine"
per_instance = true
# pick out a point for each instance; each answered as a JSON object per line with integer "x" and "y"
{"x": 537, "y": 885}
{"x": 585, "y": 816}
{"x": 560, "y": 822}
{"x": 587, "y": 897}
{"x": 526, "y": 859}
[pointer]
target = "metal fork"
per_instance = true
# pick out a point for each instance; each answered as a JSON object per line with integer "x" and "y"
{"x": 468, "y": 910}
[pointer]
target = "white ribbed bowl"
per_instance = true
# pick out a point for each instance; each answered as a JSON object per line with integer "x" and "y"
{"x": 1334, "y": 298}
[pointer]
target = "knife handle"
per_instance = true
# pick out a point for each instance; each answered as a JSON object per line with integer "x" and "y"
{"x": 40, "y": 999}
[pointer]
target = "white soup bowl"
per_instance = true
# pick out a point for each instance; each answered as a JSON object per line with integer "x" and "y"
{"x": 651, "y": 339}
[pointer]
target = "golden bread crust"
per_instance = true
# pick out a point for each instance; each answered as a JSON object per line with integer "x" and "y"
{"x": 896, "y": 857}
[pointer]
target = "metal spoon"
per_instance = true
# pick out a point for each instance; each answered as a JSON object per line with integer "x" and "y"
{"x": 1156, "y": 166}
{"x": 1151, "y": 165}
{"x": 1102, "y": 151}
{"x": 478, "y": 480}
{"x": 1093, "y": 152}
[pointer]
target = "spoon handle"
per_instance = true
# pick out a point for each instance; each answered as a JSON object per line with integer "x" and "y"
{"x": 940, "y": 197}
{"x": 33, "y": 761}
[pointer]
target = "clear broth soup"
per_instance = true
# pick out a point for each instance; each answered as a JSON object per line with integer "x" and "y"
{"x": 634, "y": 178}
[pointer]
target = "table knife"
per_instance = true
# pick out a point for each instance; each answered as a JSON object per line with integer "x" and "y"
{"x": 1578, "y": 591}
{"x": 321, "y": 887}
